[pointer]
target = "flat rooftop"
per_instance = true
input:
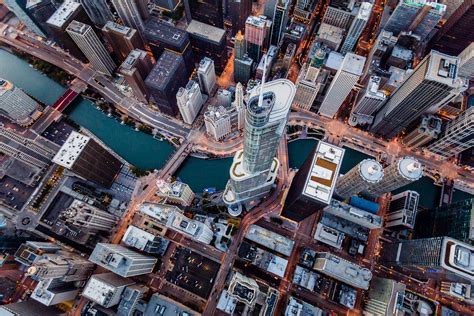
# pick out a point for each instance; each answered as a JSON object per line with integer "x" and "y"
{"x": 63, "y": 14}
{"x": 443, "y": 68}
{"x": 212, "y": 33}
{"x": 132, "y": 59}
{"x": 258, "y": 21}
{"x": 117, "y": 28}
{"x": 164, "y": 306}
{"x": 324, "y": 171}
{"x": 269, "y": 239}
{"x": 164, "y": 70}
{"x": 353, "y": 64}
{"x": 78, "y": 27}
{"x": 71, "y": 150}
{"x": 160, "y": 31}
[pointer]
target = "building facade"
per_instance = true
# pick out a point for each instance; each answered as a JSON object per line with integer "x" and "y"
{"x": 122, "y": 39}
{"x": 189, "y": 101}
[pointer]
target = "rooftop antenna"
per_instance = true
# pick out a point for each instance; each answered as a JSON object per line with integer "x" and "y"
{"x": 260, "y": 98}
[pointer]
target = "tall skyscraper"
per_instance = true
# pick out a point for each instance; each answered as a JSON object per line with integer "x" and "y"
{"x": 98, "y": 11}
{"x": 419, "y": 17}
{"x": 207, "y": 76}
{"x": 89, "y": 160}
{"x": 342, "y": 84}
{"x": 89, "y": 217}
{"x": 133, "y": 13}
{"x": 429, "y": 129}
{"x": 106, "y": 289}
{"x": 218, "y": 122}
{"x": 313, "y": 186}
{"x": 18, "y": 7}
{"x": 279, "y": 21}
{"x": 122, "y": 39}
{"x": 41, "y": 11}
{"x": 165, "y": 79}
{"x": 368, "y": 172}
{"x": 433, "y": 83}
{"x": 402, "y": 210}
{"x": 438, "y": 258}
{"x": 466, "y": 66}
{"x": 340, "y": 17}
{"x": 242, "y": 62}
{"x": 254, "y": 168}
{"x": 369, "y": 101}
{"x": 457, "y": 136}
{"x": 385, "y": 297}
{"x": 239, "y": 10}
{"x": 189, "y": 101}
{"x": 452, "y": 38}
{"x": 240, "y": 106}
{"x": 455, "y": 220}
{"x": 88, "y": 42}
{"x": 357, "y": 27}
{"x": 16, "y": 105}
{"x": 136, "y": 67}
{"x": 398, "y": 174}
{"x": 122, "y": 261}
{"x": 205, "y": 11}
{"x": 257, "y": 33}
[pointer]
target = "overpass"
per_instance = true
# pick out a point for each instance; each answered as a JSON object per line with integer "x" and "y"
{"x": 65, "y": 100}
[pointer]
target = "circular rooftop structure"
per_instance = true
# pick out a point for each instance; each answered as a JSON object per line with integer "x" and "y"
{"x": 371, "y": 170}
{"x": 410, "y": 168}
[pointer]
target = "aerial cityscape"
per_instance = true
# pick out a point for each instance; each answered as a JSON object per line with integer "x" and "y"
{"x": 236, "y": 157}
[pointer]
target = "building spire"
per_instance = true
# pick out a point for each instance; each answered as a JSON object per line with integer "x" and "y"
{"x": 260, "y": 98}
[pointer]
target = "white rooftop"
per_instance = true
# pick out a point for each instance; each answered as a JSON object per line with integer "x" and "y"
{"x": 270, "y": 239}
{"x": 136, "y": 237}
{"x": 210, "y": 32}
{"x": 410, "y": 168}
{"x": 63, "y": 13}
{"x": 98, "y": 291}
{"x": 370, "y": 170}
{"x": 71, "y": 149}
{"x": 277, "y": 266}
{"x": 353, "y": 64}
{"x": 443, "y": 68}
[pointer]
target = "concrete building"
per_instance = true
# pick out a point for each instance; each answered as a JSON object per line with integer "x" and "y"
{"x": 207, "y": 76}
{"x": 254, "y": 168}
{"x": 398, "y": 174}
{"x": 298, "y": 307}
{"x": 40, "y": 11}
{"x": 354, "y": 214}
{"x": 136, "y": 67}
{"x": 342, "y": 84}
{"x": 338, "y": 17}
{"x": 330, "y": 35}
{"x": 457, "y": 136}
{"x": 133, "y": 13}
{"x": 30, "y": 308}
{"x": 88, "y": 159}
{"x": 442, "y": 258}
{"x": 224, "y": 98}
{"x": 308, "y": 83}
{"x": 367, "y": 173}
{"x": 16, "y": 105}
{"x": 239, "y": 105}
{"x": 369, "y": 101}
{"x": 165, "y": 79}
{"x": 257, "y": 35}
{"x": 338, "y": 268}
{"x": 98, "y": 11}
{"x": 357, "y": 26}
{"x": 270, "y": 240}
{"x": 167, "y": 307}
{"x": 402, "y": 210}
{"x": 122, "y": 39}
{"x": 428, "y": 130}
{"x": 239, "y": 10}
{"x": 18, "y": 7}
{"x": 106, "y": 289}
{"x": 189, "y": 101}
{"x": 242, "y": 62}
{"x": 175, "y": 193}
{"x": 51, "y": 292}
{"x": 89, "y": 217}
{"x": 466, "y": 66}
{"x": 218, "y": 122}
{"x": 90, "y": 45}
{"x": 144, "y": 241}
{"x": 279, "y": 21}
{"x": 385, "y": 297}
{"x": 313, "y": 186}
{"x": 121, "y": 260}
{"x": 432, "y": 84}
{"x": 206, "y": 11}
{"x": 329, "y": 236}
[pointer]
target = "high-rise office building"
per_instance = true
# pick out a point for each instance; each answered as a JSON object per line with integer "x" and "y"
{"x": 189, "y": 101}
{"x": 239, "y": 10}
{"x": 88, "y": 159}
{"x": 257, "y": 34}
{"x": 368, "y": 172}
{"x": 122, "y": 261}
{"x": 163, "y": 36}
{"x": 205, "y": 11}
{"x": 342, "y": 84}
{"x": 402, "y": 210}
{"x": 466, "y": 66}
{"x": 145, "y": 241}
{"x": 133, "y": 13}
{"x": 279, "y": 21}
{"x": 122, "y": 39}
{"x": 106, "y": 289}
{"x": 457, "y": 136}
{"x": 383, "y": 44}
{"x": 165, "y": 79}
{"x": 453, "y": 38}
{"x": 340, "y": 17}
{"x": 433, "y": 83}
{"x": 455, "y": 220}
{"x": 240, "y": 106}
{"x": 175, "y": 193}
{"x": 304, "y": 9}
{"x": 400, "y": 173}
{"x": 313, "y": 186}
{"x": 357, "y": 26}
{"x": 218, "y": 122}
{"x": 429, "y": 129}
{"x": 89, "y": 43}
{"x": 353, "y": 214}
{"x": 369, "y": 101}
{"x": 89, "y": 217}
{"x": 18, "y": 7}
{"x": 242, "y": 62}
{"x": 16, "y": 105}
{"x": 438, "y": 258}
{"x": 385, "y": 297}
{"x": 207, "y": 76}
{"x": 136, "y": 67}
{"x": 68, "y": 11}
{"x": 419, "y": 17}
{"x": 254, "y": 169}
{"x": 98, "y": 11}
{"x": 41, "y": 11}
{"x": 52, "y": 292}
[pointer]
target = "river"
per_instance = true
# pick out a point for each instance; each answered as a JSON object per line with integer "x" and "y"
{"x": 143, "y": 151}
